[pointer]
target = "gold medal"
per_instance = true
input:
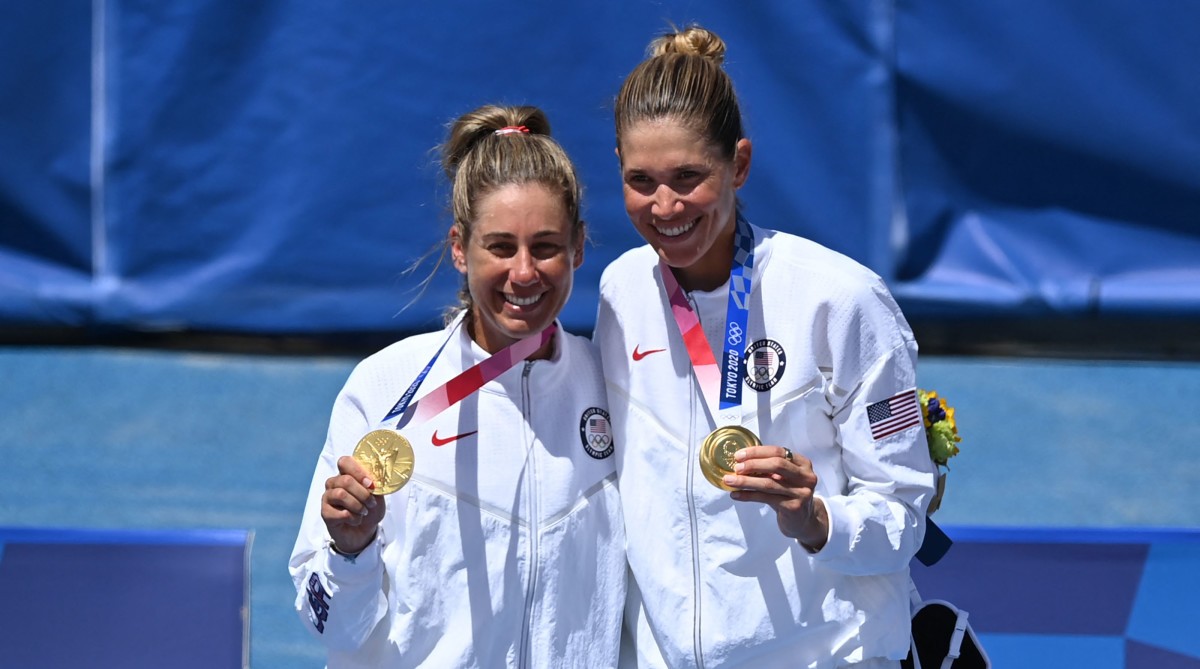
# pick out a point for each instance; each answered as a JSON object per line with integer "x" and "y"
{"x": 388, "y": 456}
{"x": 716, "y": 453}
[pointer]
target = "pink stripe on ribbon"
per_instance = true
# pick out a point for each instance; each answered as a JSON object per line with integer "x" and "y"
{"x": 461, "y": 386}
{"x": 708, "y": 374}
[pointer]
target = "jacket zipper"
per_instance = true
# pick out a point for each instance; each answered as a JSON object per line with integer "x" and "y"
{"x": 697, "y": 649}
{"x": 531, "y": 477}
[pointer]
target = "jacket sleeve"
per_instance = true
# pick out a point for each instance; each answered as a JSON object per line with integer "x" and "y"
{"x": 877, "y": 523}
{"x": 339, "y": 599}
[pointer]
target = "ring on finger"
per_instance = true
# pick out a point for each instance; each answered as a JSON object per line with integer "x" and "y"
{"x": 787, "y": 455}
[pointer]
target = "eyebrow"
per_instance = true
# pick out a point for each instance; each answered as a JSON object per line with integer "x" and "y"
{"x": 695, "y": 167}
{"x": 509, "y": 236}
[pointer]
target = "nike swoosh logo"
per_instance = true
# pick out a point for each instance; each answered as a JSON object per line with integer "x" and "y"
{"x": 638, "y": 355}
{"x": 439, "y": 441}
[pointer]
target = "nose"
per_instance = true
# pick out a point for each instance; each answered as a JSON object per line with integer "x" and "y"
{"x": 524, "y": 268}
{"x": 666, "y": 202}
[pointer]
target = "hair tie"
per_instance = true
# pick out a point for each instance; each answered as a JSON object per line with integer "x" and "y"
{"x": 510, "y": 129}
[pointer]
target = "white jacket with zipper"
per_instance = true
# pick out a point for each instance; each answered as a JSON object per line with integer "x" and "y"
{"x": 715, "y": 583}
{"x": 505, "y": 549}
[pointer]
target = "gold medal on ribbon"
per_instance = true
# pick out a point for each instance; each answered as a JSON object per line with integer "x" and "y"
{"x": 388, "y": 456}
{"x": 716, "y": 453}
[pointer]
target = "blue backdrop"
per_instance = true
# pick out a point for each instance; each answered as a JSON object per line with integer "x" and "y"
{"x": 266, "y": 167}
{"x": 125, "y": 598}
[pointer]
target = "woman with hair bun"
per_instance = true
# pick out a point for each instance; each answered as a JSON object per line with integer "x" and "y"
{"x": 501, "y": 543}
{"x": 773, "y": 466}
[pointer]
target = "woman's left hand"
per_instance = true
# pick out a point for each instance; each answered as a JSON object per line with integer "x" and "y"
{"x": 785, "y": 481}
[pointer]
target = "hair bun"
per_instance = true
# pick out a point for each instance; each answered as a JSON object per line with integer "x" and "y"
{"x": 472, "y": 128}
{"x": 691, "y": 41}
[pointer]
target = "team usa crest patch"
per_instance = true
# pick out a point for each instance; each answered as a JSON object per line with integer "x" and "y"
{"x": 765, "y": 362}
{"x": 595, "y": 431}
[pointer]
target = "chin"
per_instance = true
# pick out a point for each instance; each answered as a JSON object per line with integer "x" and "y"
{"x": 678, "y": 258}
{"x": 514, "y": 329}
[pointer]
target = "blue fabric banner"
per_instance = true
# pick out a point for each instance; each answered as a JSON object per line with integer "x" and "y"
{"x": 125, "y": 598}
{"x": 268, "y": 167}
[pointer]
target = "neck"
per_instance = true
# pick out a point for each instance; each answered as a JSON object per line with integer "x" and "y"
{"x": 493, "y": 344}
{"x": 546, "y": 351}
{"x": 690, "y": 278}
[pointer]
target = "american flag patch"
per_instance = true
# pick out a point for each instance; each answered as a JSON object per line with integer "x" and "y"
{"x": 896, "y": 413}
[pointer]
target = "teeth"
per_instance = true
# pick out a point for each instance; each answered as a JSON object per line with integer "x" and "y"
{"x": 677, "y": 230}
{"x": 521, "y": 301}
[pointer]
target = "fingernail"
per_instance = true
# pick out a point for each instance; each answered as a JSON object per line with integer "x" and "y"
{"x": 739, "y": 467}
{"x": 364, "y": 511}
{"x": 740, "y": 455}
{"x": 371, "y": 503}
{"x": 368, "y": 483}
{"x": 728, "y": 479}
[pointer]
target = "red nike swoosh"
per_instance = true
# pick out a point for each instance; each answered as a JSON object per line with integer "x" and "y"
{"x": 438, "y": 441}
{"x": 638, "y": 355}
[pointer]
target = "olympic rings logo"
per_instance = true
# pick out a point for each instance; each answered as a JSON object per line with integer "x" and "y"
{"x": 734, "y": 334}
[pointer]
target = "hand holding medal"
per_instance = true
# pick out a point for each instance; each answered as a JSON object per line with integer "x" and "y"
{"x": 786, "y": 482}
{"x": 772, "y": 475}
{"x": 351, "y": 513}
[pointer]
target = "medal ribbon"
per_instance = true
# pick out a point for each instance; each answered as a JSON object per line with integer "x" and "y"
{"x": 721, "y": 383}
{"x": 458, "y": 388}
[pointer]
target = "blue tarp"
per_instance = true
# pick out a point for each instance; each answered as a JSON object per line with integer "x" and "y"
{"x": 1074, "y": 597}
{"x": 125, "y": 598}
{"x": 267, "y": 167}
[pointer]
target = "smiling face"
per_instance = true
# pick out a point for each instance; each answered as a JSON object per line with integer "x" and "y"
{"x": 681, "y": 195}
{"x": 519, "y": 261}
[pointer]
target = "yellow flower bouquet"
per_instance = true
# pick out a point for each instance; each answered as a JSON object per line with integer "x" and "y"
{"x": 941, "y": 431}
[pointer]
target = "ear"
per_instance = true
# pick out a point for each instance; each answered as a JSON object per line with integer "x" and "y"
{"x": 582, "y": 236}
{"x": 741, "y": 162}
{"x": 457, "y": 253}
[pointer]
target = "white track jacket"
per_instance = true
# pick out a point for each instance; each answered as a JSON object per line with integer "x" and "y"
{"x": 716, "y": 584}
{"x": 505, "y": 549}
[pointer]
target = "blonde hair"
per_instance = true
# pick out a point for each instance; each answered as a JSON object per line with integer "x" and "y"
{"x": 682, "y": 80}
{"x": 494, "y": 146}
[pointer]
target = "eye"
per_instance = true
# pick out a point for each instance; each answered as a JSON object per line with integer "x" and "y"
{"x": 544, "y": 250}
{"x": 502, "y": 249}
{"x": 639, "y": 182}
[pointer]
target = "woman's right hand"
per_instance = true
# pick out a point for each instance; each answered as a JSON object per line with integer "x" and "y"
{"x": 351, "y": 513}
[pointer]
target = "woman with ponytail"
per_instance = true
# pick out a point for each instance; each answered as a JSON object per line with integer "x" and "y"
{"x": 464, "y": 512}
{"x": 773, "y": 467}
